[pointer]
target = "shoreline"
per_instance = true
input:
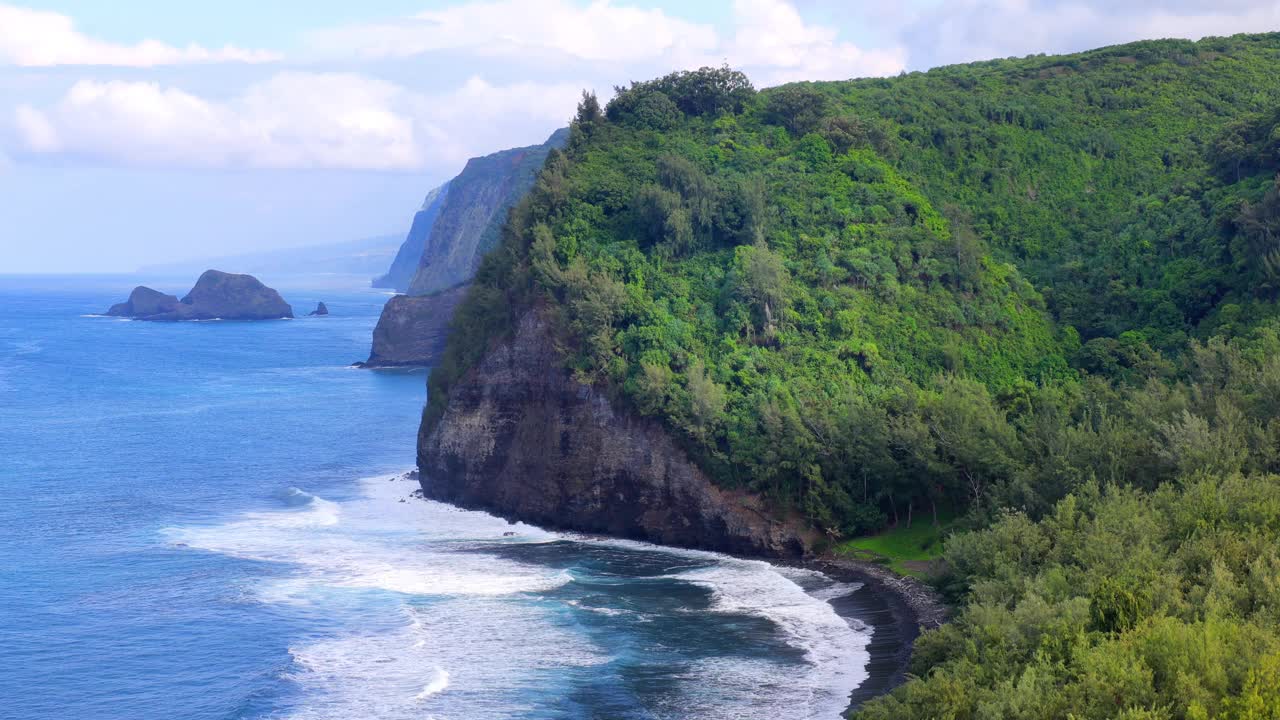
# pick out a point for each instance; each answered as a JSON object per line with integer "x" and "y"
{"x": 898, "y": 610}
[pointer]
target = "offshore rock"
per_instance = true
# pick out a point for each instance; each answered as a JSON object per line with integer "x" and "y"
{"x": 144, "y": 301}
{"x": 321, "y": 309}
{"x": 216, "y": 296}
{"x": 522, "y": 439}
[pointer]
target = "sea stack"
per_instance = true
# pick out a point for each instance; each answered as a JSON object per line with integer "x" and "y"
{"x": 144, "y": 302}
{"x": 216, "y": 296}
{"x": 321, "y": 309}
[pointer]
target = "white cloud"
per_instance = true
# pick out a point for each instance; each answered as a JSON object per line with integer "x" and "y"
{"x": 768, "y": 38}
{"x": 965, "y": 30}
{"x": 600, "y": 31}
{"x": 773, "y": 41}
{"x": 292, "y": 120}
{"x": 35, "y": 38}
{"x": 479, "y": 118}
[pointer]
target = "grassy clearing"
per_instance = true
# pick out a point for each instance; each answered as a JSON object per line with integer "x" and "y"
{"x": 906, "y": 550}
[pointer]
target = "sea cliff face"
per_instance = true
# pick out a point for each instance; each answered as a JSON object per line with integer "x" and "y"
{"x": 473, "y": 212}
{"x": 407, "y": 259}
{"x": 412, "y": 330}
{"x": 459, "y": 222}
{"x": 522, "y": 439}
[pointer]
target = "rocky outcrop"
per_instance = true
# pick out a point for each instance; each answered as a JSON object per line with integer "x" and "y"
{"x": 216, "y": 296}
{"x": 409, "y": 257}
{"x": 522, "y": 439}
{"x": 474, "y": 211}
{"x": 144, "y": 302}
{"x": 411, "y": 331}
{"x": 321, "y": 309}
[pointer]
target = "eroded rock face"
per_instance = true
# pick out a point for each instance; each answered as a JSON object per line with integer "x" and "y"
{"x": 216, "y": 295}
{"x": 521, "y": 439}
{"x": 411, "y": 331}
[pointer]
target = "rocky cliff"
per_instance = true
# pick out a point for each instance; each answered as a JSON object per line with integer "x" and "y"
{"x": 409, "y": 257}
{"x": 473, "y": 213}
{"x": 412, "y": 330}
{"x": 522, "y": 439}
{"x": 216, "y": 295}
{"x": 459, "y": 222}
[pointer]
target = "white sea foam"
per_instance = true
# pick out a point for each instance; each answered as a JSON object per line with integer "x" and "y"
{"x": 437, "y": 685}
{"x": 115, "y": 318}
{"x": 414, "y": 628}
{"x": 796, "y": 601}
{"x": 463, "y": 658}
{"x": 834, "y": 649}
{"x": 366, "y": 565}
{"x": 375, "y": 543}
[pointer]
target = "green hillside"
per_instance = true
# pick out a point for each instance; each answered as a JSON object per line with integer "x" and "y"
{"x": 1114, "y": 179}
{"x": 1036, "y": 295}
{"x": 763, "y": 293}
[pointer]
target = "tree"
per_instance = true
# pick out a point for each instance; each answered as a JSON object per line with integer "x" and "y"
{"x": 589, "y": 111}
{"x": 706, "y": 91}
{"x": 706, "y": 399}
{"x": 759, "y": 278}
{"x": 800, "y": 108}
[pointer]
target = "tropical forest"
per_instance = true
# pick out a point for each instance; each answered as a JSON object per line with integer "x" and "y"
{"x": 1027, "y": 308}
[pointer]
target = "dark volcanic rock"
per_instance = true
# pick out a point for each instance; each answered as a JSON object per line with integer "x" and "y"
{"x": 144, "y": 301}
{"x": 411, "y": 331}
{"x": 522, "y": 439}
{"x": 321, "y": 309}
{"x": 234, "y": 297}
{"x": 216, "y": 295}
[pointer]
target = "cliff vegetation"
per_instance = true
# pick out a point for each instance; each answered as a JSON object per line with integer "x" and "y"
{"x": 1038, "y": 295}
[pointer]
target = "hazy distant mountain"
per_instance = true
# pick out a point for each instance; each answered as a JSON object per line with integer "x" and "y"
{"x": 370, "y": 256}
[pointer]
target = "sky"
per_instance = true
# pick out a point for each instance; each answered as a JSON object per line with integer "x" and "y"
{"x": 140, "y": 132}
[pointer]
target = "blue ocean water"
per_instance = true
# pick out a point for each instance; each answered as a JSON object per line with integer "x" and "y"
{"x": 205, "y": 520}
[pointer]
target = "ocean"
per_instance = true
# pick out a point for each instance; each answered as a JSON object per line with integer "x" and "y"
{"x": 208, "y": 520}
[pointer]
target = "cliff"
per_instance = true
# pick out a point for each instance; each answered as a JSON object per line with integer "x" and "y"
{"x": 412, "y": 330}
{"x": 216, "y": 295}
{"x": 522, "y": 439}
{"x": 459, "y": 222}
{"x": 473, "y": 212}
{"x": 407, "y": 259}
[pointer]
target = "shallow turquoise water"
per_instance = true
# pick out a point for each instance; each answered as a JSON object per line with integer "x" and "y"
{"x": 202, "y": 520}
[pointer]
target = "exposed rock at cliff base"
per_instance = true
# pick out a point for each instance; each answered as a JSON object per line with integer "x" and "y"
{"x": 411, "y": 331}
{"x": 216, "y": 295}
{"x": 522, "y": 439}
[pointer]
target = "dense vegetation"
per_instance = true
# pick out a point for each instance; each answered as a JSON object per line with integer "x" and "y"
{"x": 1129, "y": 183}
{"x": 1038, "y": 294}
